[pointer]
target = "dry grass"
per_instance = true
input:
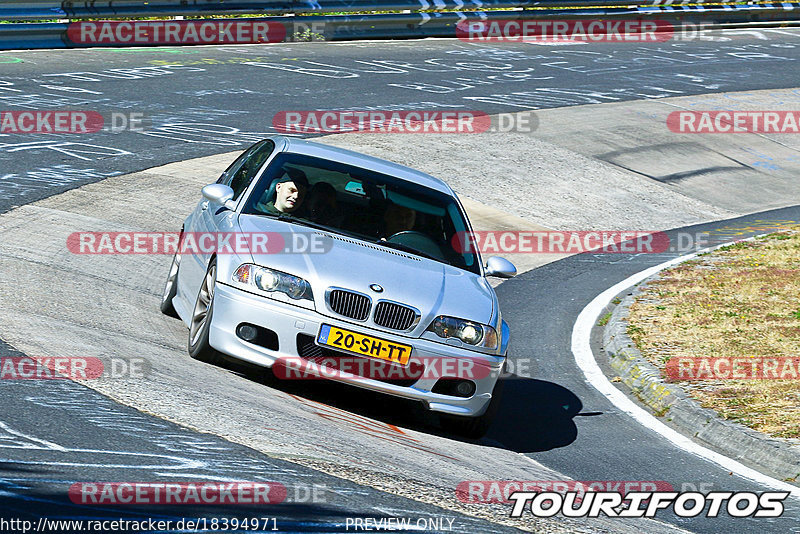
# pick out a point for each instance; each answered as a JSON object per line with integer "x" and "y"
{"x": 740, "y": 301}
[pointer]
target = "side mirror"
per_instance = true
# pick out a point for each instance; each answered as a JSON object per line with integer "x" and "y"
{"x": 219, "y": 194}
{"x": 500, "y": 267}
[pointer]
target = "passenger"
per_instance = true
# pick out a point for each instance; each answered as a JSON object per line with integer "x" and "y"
{"x": 321, "y": 205}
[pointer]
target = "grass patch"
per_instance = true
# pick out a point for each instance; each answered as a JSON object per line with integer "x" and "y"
{"x": 741, "y": 245}
{"x": 604, "y": 319}
{"x": 742, "y": 300}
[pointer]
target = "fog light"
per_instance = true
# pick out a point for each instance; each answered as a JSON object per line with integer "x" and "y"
{"x": 247, "y": 332}
{"x": 465, "y": 388}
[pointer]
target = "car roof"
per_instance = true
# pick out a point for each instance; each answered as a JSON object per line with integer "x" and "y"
{"x": 309, "y": 148}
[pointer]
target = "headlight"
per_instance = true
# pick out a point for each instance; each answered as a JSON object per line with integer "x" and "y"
{"x": 271, "y": 281}
{"x": 471, "y": 333}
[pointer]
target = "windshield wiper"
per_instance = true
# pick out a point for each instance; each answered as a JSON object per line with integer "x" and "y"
{"x": 406, "y": 248}
{"x": 285, "y": 217}
{"x": 288, "y": 218}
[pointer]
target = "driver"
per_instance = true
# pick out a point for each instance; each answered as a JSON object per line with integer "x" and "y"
{"x": 290, "y": 190}
{"x": 397, "y": 219}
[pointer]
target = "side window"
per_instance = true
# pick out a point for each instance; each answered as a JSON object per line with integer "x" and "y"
{"x": 239, "y": 175}
{"x": 225, "y": 177}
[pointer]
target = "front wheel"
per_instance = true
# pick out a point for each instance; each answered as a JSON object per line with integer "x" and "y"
{"x": 199, "y": 347}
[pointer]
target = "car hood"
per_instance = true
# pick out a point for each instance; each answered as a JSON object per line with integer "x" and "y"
{"x": 432, "y": 287}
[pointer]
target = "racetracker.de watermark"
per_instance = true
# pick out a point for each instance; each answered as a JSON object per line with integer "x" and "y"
{"x": 71, "y": 122}
{"x": 208, "y": 493}
{"x": 403, "y": 122}
{"x": 360, "y": 368}
{"x": 411, "y": 121}
{"x": 726, "y": 368}
{"x": 188, "y": 243}
{"x": 577, "y": 242}
{"x": 734, "y": 121}
{"x": 147, "y": 32}
{"x": 560, "y": 242}
{"x": 72, "y": 368}
{"x": 588, "y": 30}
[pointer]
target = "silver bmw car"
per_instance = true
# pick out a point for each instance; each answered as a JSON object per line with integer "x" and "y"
{"x": 319, "y": 262}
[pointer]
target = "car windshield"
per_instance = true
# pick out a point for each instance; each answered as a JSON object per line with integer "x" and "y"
{"x": 367, "y": 205}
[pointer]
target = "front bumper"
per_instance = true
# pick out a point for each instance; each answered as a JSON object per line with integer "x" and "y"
{"x": 233, "y": 307}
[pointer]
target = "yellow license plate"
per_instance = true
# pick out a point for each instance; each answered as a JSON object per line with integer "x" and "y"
{"x": 369, "y": 346}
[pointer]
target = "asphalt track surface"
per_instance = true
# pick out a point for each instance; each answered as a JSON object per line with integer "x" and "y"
{"x": 205, "y": 100}
{"x": 216, "y": 99}
{"x": 74, "y": 434}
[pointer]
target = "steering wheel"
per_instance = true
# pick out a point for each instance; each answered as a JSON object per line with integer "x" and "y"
{"x": 419, "y": 241}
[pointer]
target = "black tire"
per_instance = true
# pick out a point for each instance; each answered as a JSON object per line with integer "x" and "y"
{"x": 200, "y": 323}
{"x": 171, "y": 287}
{"x": 474, "y": 427}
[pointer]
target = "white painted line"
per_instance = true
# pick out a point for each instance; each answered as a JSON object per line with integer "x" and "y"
{"x": 181, "y": 463}
{"x": 585, "y": 359}
{"x": 48, "y": 445}
{"x": 793, "y": 34}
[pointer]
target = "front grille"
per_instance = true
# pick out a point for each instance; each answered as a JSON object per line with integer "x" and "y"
{"x": 394, "y": 316}
{"x": 372, "y": 368}
{"x": 349, "y": 304}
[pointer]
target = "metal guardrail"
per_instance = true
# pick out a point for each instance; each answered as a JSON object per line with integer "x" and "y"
{"x": 44, "y": 9}
{"x": 21, "y": 10}
{"x": 375, "y": 26}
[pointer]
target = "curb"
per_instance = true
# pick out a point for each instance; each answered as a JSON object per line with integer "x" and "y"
{"x": 774, "y": 457}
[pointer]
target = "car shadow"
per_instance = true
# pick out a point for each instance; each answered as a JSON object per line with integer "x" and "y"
{"x": 533, "y": 416}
